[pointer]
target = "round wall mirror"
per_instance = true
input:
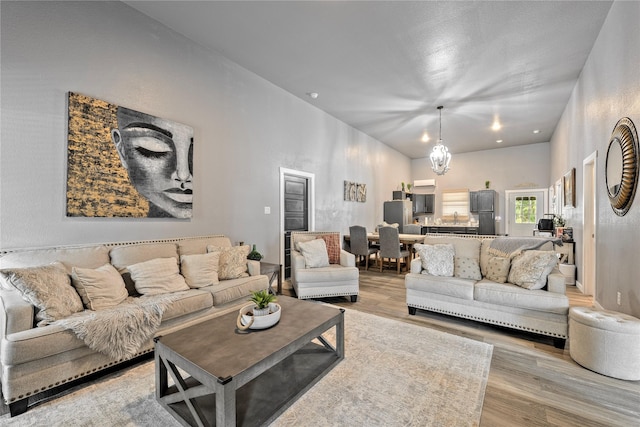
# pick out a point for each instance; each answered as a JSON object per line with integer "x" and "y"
{"x": 621, "y": 168}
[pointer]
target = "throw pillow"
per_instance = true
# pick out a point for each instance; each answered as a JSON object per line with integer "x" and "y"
{"x": 333, "y": 247}
{"x": 498, "y": 269}
{"x": 200, "y": 270}
{"x": 157, "y": 276}
{"x": 467, "y": 268}
{"x": 99, "y": 288}
{"x": 48, "y": 288}
{"x": 315, "y": 253}
{"x": 232, "y": 263}
{"x": 530, "y": 269}
{"x": 303, "y": 238}
{"x": 436, "y": 259}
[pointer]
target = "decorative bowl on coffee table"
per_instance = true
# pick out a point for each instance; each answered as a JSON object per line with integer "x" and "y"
{"x": 261, "y": 322}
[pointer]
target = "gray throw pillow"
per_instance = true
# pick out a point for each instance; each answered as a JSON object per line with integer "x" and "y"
{"x": 48, "y": 288}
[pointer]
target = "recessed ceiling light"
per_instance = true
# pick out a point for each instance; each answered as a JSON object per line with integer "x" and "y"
{"x": 498, "y": 141}
{"x": 536, "y": 131}
{"x": 425, "y": 137}
{"x": 496, "y": 125}
{"x": 313, "y": 95}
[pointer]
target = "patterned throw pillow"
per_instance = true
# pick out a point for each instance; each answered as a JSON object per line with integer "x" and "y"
{"x": 467, "y": 268}
{"x": 437, "y": 260}
{"x": 48, "y": 288}
{"x": 530, "y": 269}
{"x": 99, "y": 288}
{"x": 333, "y": 247}
{"x": 498, "y": 269}
{"x": 157, "y": 276}
{"x": 315, "y": 253}
{"x": 233, "y": 261}
{"x": 200, "y": 270}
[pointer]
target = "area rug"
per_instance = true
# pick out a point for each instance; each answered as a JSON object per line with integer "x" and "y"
{"x": 394, "y": 374}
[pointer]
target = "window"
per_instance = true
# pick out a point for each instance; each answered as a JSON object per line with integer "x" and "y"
{"x": 455, "y": 205}
{"x": 526, "y": 210}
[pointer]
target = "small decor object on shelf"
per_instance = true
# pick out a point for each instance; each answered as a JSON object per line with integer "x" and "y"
{"x": 402, "y": 185}
{"x": 487, "y": 184}
{"x": 254, "y": 254}
{"x": 409, "y": 188}
{"x": 261, "y": 314}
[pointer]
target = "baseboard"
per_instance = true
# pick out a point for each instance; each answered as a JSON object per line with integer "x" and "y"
{"x": 580, "y": 286}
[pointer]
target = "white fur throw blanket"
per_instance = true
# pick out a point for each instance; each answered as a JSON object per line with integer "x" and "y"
{"x": 120, "y": 331}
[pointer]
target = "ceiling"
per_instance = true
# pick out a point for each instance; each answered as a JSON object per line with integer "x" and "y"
{"x": 384, "y": 66}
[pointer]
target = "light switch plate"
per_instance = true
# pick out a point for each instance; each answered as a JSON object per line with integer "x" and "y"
{"x": 267, "y": 210}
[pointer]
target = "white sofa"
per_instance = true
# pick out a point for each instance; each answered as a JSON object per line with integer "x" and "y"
{"x": 336, "y": 279}
{"x": 34, "y": 359}
{"x": 541, "y": 311}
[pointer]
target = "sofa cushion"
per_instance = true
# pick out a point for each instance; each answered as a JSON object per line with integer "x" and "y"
{"x": 463, "y": 246}
{"x": 198, "y": 245}
{"x": 200, "y": 270}
{"x": 315, "y": 253}
{"x": 157, "y": 276}
{"x": 531, "y": 268}
{"x": 507, "y": 294}
{"x": 124, "y": 256}
{"x": 48, "y": 288}
{"x": 86, "y": 257}
{"x": 437, "y": 260}
{"x": 498, "y": 269}
{"x": 233, "y": 289}
{"x": 99, "y": 288}
{"x": 450, "y": 286}
{"x": 466, "y": 268}
{"x": 333, "y": 247}
{"x": 232, "y": 263}
{"x": 188, "y": 302}
{"x": 331, "y": 273}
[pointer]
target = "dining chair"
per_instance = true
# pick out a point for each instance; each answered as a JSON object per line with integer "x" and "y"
{"x": 412, "y": 229}
{"x": 360, "y": 244}
{"x": 390, "y": 247}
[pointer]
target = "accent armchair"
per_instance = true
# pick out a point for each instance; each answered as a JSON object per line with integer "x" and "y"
{"x": 312, "y": 277}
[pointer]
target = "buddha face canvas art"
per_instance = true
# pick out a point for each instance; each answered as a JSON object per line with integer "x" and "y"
{"x": 125, "y": 163}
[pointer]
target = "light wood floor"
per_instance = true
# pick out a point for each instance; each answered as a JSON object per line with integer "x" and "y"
{"x": 531, "y": 383}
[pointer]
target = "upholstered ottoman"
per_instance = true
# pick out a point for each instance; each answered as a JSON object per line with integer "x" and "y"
{"x": 606, "y": 342}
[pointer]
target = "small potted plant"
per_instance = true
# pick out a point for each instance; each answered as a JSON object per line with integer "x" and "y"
{"x": 487, "y": 184}
{"x": 262, "y": 299}
{"x": 402, "y": 185}
{"x": 409, "y": 188}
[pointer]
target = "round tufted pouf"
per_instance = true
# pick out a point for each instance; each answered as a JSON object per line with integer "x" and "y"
{"x": 606, "y": 342}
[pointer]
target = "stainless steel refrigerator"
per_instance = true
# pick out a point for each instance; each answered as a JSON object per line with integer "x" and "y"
{"x": 398, "y": 211}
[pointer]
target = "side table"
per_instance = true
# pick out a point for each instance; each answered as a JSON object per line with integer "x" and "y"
{"x": 275, "y": 272}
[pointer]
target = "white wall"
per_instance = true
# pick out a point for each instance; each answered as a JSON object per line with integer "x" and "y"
{"x": 509, "y": 168}
{"x": 608, "y": 89}
{"x": 245, "y": 129}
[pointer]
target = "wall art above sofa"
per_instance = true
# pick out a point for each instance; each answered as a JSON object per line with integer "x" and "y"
{"x": 124, "y": 163}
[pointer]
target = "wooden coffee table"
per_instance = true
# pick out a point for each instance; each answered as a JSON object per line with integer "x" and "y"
{"x": 246, "y": 378}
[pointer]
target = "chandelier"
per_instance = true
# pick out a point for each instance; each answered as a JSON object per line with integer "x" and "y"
{"x": 440, "y": 156}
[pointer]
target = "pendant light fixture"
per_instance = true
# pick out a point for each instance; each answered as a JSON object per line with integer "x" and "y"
{"x": 440, "y": 156}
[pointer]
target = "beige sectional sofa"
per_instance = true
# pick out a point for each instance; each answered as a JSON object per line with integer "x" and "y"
{"x": 472, "y": 295}
{"x": 34, "y": 358}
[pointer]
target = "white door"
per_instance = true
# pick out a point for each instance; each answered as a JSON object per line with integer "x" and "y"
{"x": 589, "y": 231}
{"x": 524, "y": 209}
